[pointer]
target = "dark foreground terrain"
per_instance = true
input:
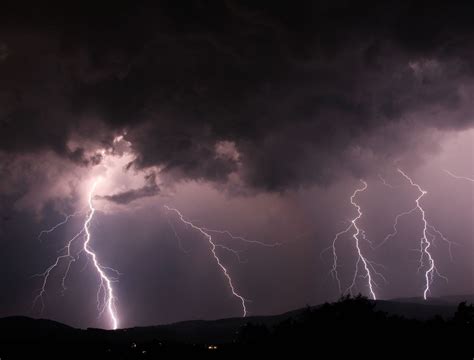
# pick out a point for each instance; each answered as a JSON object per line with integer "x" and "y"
{"x": 350, "y": 328}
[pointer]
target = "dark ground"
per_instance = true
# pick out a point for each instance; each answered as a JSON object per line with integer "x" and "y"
{"x": 351, "y": 327}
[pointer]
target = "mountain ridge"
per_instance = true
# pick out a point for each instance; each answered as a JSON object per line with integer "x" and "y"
{"x": 411, "y": 308}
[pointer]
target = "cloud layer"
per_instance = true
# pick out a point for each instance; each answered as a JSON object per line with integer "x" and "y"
{"x": 303, "y": 94}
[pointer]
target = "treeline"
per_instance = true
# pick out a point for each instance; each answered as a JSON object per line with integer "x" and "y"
{"x": 352, "y": 328}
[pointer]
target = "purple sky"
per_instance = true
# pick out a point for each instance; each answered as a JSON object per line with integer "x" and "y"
{"x": 257, "y": 120}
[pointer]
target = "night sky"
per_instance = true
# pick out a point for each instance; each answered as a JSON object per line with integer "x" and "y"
{"x": 260, "y": 119}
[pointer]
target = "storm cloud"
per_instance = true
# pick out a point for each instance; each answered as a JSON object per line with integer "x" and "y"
{"x": 257, "y": 118}
{"x": 125, "y": 197}
{"x": 304, "y": 94}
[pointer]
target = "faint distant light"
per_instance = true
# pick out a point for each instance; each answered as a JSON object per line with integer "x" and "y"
{"x": 134, "y": 345}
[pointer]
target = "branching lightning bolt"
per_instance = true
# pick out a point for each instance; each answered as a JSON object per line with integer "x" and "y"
{"x": 45, "y": 275}
{"x": 335, "y": 265}
{"x": 65, "y": 221}
{"x": 433, "y": 232}
{"x": 105, "y": 285}
{"x": 178, "y": 238}
{"x": 233, "y": 237}
{"x": 213, "y": 246}
{"x": 395, "y": 226}
{"x": 368, "y": 266}
{"x": 233, "y": 251}
{"x": 458, "y": 177}
{"x": 387, "y": 184}
{"x": 425, "y": 242}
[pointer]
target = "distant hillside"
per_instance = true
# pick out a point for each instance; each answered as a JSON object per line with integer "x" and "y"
{"x": 223, "y": 330}
{"x": 416, "y": 310}
{"x": 349, "y": 318}
{"x": 441, "y": 300}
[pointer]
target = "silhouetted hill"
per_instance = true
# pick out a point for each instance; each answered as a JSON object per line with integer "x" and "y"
{"x": 224, "y": 330}
{"x": 416, "y": 310}
{"x": 204, "y": 331}
{"x": 441, "y": 300}
{"x": 52, "y": 338}
{"x": 24, "y": 322}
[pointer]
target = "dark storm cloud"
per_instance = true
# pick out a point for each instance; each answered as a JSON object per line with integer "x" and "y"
{"x": 125, "y": 197}
{"x": 302, "y": 91}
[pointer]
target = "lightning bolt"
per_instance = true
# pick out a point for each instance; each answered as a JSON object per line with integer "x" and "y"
{"x": 458, "y": 177}
{"x": 425, "y": 242}
{"x": 395, "y": 226}
{"x": 45, "y": 275}
{"x": 233, "y": 251}
{"x": 213, "y": 246}
{"x": 53, "y": 228}
{"x": 433, "y": 232}
{"x": 178, "y": 238}
{"x": 368, "y": 267}
{"x": 233, "y": 237}
{"x": 387, "y": 184}
{"x": 105, "y": 285}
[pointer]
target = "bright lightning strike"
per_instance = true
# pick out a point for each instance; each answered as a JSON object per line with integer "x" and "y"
{"x": 107, "y": 300}
{"x": 433, "y": 232}
{"x": 213, "y": 246}
{"x": 105, "y": 284}
{"x": 367, "y": 266}
{"x": 425, "y": 241}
